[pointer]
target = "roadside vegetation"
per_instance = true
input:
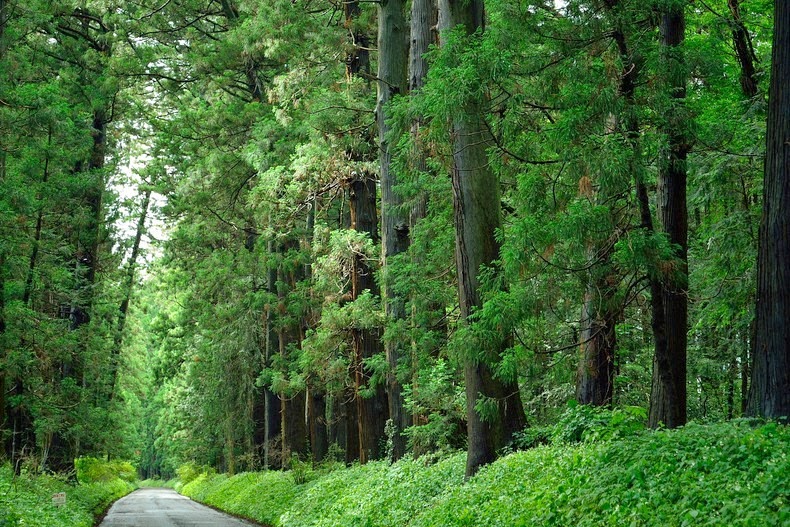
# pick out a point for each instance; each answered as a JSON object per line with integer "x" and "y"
{"x": 26, "y": 499}
{"x": 597, "y": 468}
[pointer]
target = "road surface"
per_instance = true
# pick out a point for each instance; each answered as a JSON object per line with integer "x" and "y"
{"x": 165, "y": 508}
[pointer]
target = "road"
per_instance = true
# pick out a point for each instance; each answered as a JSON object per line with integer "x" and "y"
{"x": 165, "y": 508}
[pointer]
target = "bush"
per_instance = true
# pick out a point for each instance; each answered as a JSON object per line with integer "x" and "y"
{"x": 93, "y": 470}
{"x": 27, "y": 499}
{"x": 593, "y": 423}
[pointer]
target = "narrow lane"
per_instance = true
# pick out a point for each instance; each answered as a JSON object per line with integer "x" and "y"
{"x": 165, "y": 508}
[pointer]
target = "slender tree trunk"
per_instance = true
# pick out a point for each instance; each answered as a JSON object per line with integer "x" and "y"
{"x": 128, "y": 287}
{"x": 668, "y": 392}
{"x": 28, "y": 291}
{"x": 393, "y": 55}
{"x": 366, "y": 343}
{"x": 769, "y": 395}
{"x": 743, "y": 50}
{"x": 476, "y": 205}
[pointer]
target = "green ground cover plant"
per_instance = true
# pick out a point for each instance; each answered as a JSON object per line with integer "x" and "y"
{"x": 733, "y": 473}
{"x": 27, "y": 499}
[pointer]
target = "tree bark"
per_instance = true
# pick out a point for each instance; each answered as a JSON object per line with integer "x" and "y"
{"x": 476, "y": 205}
{"x": 668, "y": 391}
{"x": 392, "y": 80}
{"x": 366, "y": 343}
{"x": 743, "y": 50}
{"x": 3, "y": 346}
{"x": 319, "y": 444}
{"x": 598, "y": 342}
{"x": 769, "y": 394}
{"x": 358, "y": 59}
{"x": 293, "y": 425}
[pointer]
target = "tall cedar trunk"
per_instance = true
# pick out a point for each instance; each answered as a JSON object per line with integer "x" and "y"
{"x": 598, "y": 341}
{"x": 769, "y": 394}
{"x": 424, "y": 19}
{"x": 668, "y": 392}
{"x": 393, "y": 58}
{"x": 3, "y": 347}
{"x": 477, "y": 216}
{"x": 358, "y": 59}
{"x": 316, "y": 410}
{"x": 128, "y": 286}
{"x": 366, "y": 343}
{"x": 743, "y": 50}
{"x": 350, "y": 425}
{"x": 270, "y": 421}
{"x": 600, "y": 310}
{"x": 293, "y": 426}
{"x": 316, "y": 395}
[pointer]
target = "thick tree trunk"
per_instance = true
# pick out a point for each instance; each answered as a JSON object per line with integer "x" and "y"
{"x": 349, "y": 432}
{"x": 3, "y": 346}
{"x": 476, "y": 205}
{"x": 293, "y": 425}
{"x": 319, "y": 443}
{"x": 668, "y": 392}
{"x": 358, "y": 59}
{"x": 366, "y": 343}
{"x": 769, "y": 395}
{"x": 598, "y": 341}
{"x": 393, "y": 51}
{"x": 424, "y": 19}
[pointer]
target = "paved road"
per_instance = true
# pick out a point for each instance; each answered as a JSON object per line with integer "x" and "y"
{"x": 165, "y": 508}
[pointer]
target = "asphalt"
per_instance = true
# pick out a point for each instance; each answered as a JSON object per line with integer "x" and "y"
{"x": 165, "y": 508}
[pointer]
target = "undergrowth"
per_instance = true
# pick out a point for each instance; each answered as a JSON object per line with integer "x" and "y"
{"x": 600, "y": 470}
{"x": 26, "y": 500}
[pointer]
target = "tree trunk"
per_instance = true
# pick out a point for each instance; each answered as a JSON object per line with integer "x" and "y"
{"x": 769, "y": 394}
{"x": 743, "y": 50}
{"x": 317, "y": 419}
{"x": 598, "y": 341}
{"x": 128, "y": 287}
{"x": 3, "y": 346}
{"x": 477, "y": 216}
{"x": 393, "y": 52}
{"x": 293, "y": 426}
{"x": 366, "y": 343}
{"x": 668, "y": 392}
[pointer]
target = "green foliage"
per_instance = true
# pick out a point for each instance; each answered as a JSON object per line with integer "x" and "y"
{"x": 92, "y": 470}
{"x": 27, "y": 500}
{"x": 728, "y": 474}
{"x": 732, "y": 473}
{"x": 585, "y": 423}
{"x": 262, "y": 496}
{"x": 375, "y": 494}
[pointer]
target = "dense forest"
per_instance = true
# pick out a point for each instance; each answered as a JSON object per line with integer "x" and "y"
{"x": 245, "y": 234}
